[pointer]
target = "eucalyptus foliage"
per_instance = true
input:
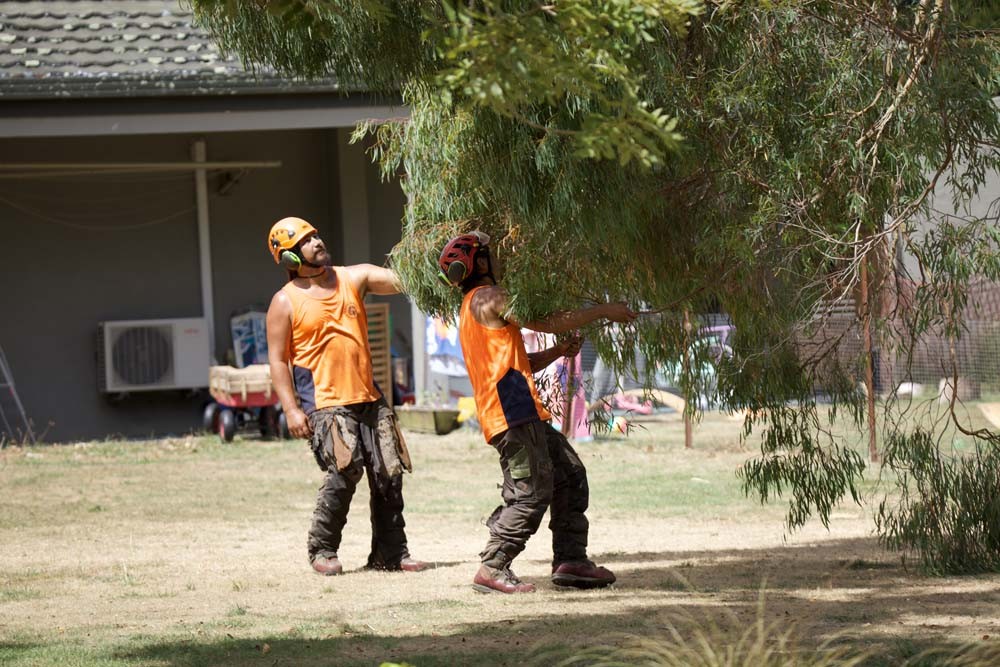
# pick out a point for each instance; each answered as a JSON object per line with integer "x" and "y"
{"x": 948, "y": 509}
{"x": 748, "y": 157}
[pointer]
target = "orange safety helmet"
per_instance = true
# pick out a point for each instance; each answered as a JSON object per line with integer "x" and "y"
{"x": 286, "y": 234}
{"x": 457, "y": 260}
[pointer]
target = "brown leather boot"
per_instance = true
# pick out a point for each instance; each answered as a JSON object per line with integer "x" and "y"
{"x": 499, "y": 580}
{"x": 328, "y": 565}
{"x": 406, "y": 564}
{"x": 582, "y": 574}
{"x": 409, "y": 564}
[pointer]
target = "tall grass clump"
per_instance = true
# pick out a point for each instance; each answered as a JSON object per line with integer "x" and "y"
{"x": 701, "y": 640}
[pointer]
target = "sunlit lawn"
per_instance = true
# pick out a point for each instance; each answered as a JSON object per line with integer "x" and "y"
{"x": 185, "y": 551}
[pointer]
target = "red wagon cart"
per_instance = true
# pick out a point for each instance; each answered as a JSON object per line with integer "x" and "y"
{"x": 243, "y": 397}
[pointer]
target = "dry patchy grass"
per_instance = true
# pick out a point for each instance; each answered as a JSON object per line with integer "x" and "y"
{"x": 183, "y": 552}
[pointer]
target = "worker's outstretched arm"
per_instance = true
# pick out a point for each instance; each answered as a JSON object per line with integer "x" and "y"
{"x": 564, "y": 321}
{"x": 490, "y": 306}
{"x": 368, "y": 278}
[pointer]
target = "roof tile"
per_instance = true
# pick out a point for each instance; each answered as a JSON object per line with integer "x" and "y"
{"x": 133, "y": 47}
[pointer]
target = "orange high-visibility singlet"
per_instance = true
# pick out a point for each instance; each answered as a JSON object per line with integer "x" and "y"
{"x": 500, "y": 373}
{"x": 331, "y": 359}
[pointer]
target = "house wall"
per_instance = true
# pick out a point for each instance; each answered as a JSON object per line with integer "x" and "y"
{"x": 365, "y": 196}
{"x": 86, "y": 249}
{"x": 985, "y": 205}
{"x": 386, "y": 202}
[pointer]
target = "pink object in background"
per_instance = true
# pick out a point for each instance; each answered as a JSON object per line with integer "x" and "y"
{"x": 573, "y": 368}
{"x": 552, "y": 386}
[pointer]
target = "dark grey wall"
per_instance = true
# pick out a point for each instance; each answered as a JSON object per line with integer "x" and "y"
{"x": 386, "y": 202}
{"x": 84, "y": 249}
{"x": 244, "y": 273}
{"x": 82, "y": 252}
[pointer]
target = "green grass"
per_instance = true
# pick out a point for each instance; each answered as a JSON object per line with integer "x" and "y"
{"x": 12, "y": 593}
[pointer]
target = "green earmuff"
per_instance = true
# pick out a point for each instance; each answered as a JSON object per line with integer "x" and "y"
{"x": 290, "y": 260}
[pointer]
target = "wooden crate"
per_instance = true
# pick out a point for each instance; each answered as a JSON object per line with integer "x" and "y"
{"x": 379, "y": 337}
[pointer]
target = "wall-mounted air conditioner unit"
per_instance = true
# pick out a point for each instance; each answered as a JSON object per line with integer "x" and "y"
{"x": 149, "y": 355}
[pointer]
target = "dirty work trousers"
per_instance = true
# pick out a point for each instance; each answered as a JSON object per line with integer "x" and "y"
{"x": 540, "y": 471}
{"x": 358, "y": 427}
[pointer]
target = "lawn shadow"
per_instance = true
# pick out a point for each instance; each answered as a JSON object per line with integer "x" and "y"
{"x": 528, "y": 642}
{"x": 431, "y": 565}
{"x": 846, "y": 591}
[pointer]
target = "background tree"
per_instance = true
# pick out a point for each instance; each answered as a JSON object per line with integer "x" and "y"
{"x": 756, "y": 158}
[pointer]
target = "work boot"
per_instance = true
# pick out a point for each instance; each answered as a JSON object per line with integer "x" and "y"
{"x": 328, "y": 565}
{"x": 406, "y": 564}
{"x": 499, "y": 580}
{"x": 409, "y": 564}
{"x": 581, "y": 574}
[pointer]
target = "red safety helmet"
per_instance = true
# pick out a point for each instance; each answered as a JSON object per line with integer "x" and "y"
{"x": 286, "y": 234}
{"x": 458, "y": 258}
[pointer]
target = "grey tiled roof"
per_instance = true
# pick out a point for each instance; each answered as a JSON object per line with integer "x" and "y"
{"x": 119, "y": 48}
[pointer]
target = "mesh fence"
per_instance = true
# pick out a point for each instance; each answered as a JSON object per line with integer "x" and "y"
{"x": 833, "y": 343}
{"x": 928, "y": 364}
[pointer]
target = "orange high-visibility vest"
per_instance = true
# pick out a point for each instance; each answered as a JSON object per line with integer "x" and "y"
{"x": 500, "y": 373}
{"x": 331, "y": 359}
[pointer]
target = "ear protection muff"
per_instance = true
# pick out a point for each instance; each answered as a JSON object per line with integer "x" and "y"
{"x": 290, "y": 260}
{"x": 455, "y": 274}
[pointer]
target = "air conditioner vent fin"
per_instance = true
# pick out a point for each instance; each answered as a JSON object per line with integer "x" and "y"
{"x": 143, "y": 355}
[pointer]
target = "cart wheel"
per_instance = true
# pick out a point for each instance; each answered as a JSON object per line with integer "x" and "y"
{"x": 227, "y": 425}
{"x": 267, "y": 420}
{"x": 210, "y": 418}
{"x": 283, "y": 427}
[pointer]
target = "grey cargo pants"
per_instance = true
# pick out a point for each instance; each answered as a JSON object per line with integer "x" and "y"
{"x": 358, "y": 426}
{"x": 540, "y": 471}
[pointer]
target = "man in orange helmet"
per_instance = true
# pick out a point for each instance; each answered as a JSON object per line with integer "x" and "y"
{"x": 540, "y": 469}
{"x": 317, "y": 324}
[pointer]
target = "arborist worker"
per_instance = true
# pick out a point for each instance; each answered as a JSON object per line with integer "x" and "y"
{"x": 321, "y": 368}
{"x": 540, "y": 469}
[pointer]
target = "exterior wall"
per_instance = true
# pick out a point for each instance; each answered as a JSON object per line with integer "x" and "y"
{"x": 86, "y": 249}
{"x": 83, "y": 260}
{"x": 244, "y": 274}
{"x": 985, "y": 205}
{"x": 364, "y": 196}
{"x": 386, "y": 203}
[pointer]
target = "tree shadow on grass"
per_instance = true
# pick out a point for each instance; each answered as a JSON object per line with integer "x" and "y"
{"x": 846, "y": 590}
{"x": 850, "y": 588}
{"x": 531, "y": 642}
{"x": 857, "y": 563}
{"x": 431, "y": 565}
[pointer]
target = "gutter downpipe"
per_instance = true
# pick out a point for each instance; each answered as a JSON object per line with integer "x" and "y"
{"x": 199, "y": 154}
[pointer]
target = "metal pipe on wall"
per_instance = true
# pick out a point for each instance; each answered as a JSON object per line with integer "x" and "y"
{"x": 37, "y": 171}
{"x": 199, "y": 155}
{"x": 142, "y": 166}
